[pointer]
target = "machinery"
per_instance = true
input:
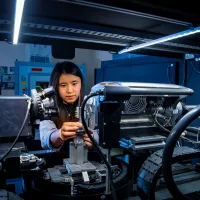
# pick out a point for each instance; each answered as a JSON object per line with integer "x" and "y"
{"x": 82, "y": 174}
{"x": 145, "y": 119}
{"x": 29, "y": 75}
{"x": 77, "y": 175}
{"x": 137, "y": 117}
{"x": 144, "y": 122}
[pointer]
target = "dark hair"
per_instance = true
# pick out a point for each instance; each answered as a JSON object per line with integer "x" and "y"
{"x": 59, "y": 69}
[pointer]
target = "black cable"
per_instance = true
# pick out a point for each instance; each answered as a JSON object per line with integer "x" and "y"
{"x": 20, "y": 132}
{"x": 172, "y": 139}
{"x": 96, "y": 145}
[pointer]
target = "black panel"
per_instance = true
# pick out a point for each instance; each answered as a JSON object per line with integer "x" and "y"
{"x": 12, "y": 114}
{"x": 63, "y": 50}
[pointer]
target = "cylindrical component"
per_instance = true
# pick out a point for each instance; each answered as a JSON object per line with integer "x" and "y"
{"x": 78, "y": 140}
{"x": 48, "y": 92}
{"x": 161, "y": 91}
{"x": 48, "y": 103}
{"x": 117, "y": 93}
{"x": 135, "y": 120}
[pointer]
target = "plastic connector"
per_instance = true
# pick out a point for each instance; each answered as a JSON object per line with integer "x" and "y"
{"x": 184, "y": 133}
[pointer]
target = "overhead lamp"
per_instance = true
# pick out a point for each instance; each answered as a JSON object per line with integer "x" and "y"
{"x": 160, "y": 40}
{"x": 18, "y": 17}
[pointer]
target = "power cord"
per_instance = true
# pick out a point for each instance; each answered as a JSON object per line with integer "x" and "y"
{"x": 96, "y": 145}
{"x": 20, "y": 132}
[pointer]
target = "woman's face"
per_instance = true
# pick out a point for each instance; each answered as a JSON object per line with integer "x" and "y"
{"x": 69, "y": 87}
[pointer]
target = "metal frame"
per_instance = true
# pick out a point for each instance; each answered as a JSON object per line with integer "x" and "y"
{"x": 126, "y": 11}
{"x": 84, "y": 33}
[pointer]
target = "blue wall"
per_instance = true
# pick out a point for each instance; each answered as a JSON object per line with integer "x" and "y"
{"x": 125, "y": 55}
{"x": 140, "y": 69}
{"x": 193, "y": 82}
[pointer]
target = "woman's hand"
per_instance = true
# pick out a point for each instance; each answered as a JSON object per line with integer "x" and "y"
{"x": 87, "y": 140}
{"x": 69, "y": 129}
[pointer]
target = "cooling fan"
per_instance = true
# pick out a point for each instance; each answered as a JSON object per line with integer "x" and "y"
{"x": 135, "y": 105}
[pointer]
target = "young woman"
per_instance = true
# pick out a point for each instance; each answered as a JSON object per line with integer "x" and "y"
{"x": 67, "y": 80}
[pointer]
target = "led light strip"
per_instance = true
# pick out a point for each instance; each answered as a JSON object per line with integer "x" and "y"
{"x": 18, "y": 16}
{"x": 160, "y": 40}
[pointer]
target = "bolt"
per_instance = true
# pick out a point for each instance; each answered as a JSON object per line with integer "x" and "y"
{"x": 102, "y": 197}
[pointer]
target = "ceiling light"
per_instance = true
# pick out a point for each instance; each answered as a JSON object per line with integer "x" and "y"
{"x": 160, "y": 40}
{"x": 18, "y": 16}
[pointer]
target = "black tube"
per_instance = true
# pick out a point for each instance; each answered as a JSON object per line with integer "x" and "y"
{"x": 169, "y": 149}
{"x": 96, "y": 146}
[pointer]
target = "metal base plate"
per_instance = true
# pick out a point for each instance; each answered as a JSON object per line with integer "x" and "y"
{"x": 75, "y": 169}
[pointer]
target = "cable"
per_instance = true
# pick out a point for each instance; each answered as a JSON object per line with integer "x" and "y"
{"x": 168, "y": 75}
{"x": 163, "y": 117}
{"x": 95, "y": 144}
{"x": 196, "y": 70}
{"x": 193, "y": 130}
{"x": 160, "y": 126}
{"x": 184, "y": 74}
{"x": 20, "y": 132}
{"x": 191, "y": 72}
{"x": 172, "y": 139}
{"x": 191, "y": 141}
